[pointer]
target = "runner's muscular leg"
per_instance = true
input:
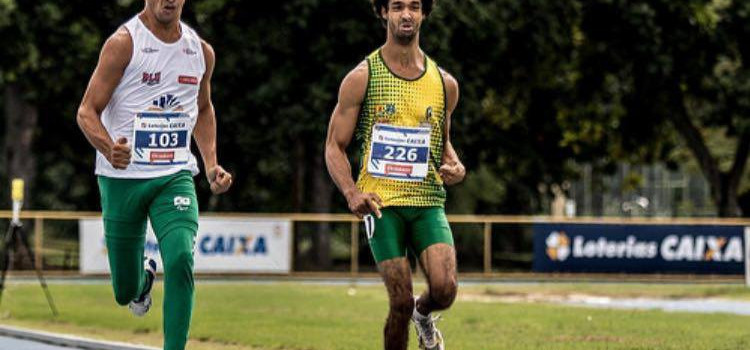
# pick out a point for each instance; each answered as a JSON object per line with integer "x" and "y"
{"x": 396, "y": 274}
{"x": 438, "y": 263}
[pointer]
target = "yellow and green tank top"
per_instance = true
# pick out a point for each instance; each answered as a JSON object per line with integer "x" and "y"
{"x": 401, "y": 131}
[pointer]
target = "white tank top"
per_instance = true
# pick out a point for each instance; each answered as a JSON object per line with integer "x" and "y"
{"x": 155, "y": 106}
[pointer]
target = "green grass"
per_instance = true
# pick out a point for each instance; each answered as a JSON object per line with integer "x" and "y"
{"x": 305, "y": 317}
{"x": 630, "y": 290}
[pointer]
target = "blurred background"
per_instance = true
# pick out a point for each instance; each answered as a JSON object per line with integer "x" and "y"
{"x": 606, "y": 144}
{"x": 604, "y": 108}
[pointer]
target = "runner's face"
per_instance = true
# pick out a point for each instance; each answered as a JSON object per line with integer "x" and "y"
{"x": 404, "y": 18}
{"x": 165, "y": 11}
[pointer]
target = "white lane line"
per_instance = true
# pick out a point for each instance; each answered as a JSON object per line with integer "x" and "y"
{"x": 68, "y": 340}
{"x": 20, "y": 344}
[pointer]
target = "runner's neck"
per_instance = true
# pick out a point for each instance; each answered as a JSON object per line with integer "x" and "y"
{"x": 168, "y": 33}
{"x": 406, "y": 60}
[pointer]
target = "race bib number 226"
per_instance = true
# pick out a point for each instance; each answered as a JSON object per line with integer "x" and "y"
{"x": 399, "y": 153}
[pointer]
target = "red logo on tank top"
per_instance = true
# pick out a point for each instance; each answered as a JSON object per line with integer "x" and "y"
{"x": 186, "y": 79}
{"x": 151, "y": 79}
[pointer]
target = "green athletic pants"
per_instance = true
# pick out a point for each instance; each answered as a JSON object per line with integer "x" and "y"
{"x": 171, "y": 205}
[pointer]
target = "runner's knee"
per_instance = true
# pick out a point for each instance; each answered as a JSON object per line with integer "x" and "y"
{"x": 402, "y": 304}
{"x": 178, "y": 261}
{"x": 177, "y": 250}
{"x": 443, "y": 293}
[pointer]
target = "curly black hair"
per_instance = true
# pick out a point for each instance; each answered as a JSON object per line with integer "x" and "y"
{"x": 377, "y": 5}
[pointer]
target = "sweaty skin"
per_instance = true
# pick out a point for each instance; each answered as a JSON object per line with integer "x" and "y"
{"x": 403, "y": 56}
{"x": 162, "y": 18}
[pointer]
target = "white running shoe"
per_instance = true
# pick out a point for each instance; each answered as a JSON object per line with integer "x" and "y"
{"x": 140, "y": 306}
{"x": 429, "y": 336}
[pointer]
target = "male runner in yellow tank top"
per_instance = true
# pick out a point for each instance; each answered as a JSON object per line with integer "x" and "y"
{"x": 398, "y": 102}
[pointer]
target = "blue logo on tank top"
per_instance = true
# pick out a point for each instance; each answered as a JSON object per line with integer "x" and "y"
{"x": 167, "y": 102}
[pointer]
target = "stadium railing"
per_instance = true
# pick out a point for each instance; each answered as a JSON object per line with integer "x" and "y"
{"x": 486, "y": 222}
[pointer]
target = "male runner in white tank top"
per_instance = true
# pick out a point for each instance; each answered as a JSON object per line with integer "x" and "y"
{"x": 149, "y": 94}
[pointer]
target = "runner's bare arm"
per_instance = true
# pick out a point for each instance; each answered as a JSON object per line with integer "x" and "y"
{"x": 204, "y": 132}
{"x": 205, "y": 127}
{"x": 113, "y": 60}
{"x": 340, "y": 132}
{"x": 452, "y": 171}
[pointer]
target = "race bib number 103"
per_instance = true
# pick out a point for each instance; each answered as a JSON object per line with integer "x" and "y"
{"x": 161, "y": 138}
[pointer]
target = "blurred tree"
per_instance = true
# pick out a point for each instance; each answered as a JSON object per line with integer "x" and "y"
{"x": 276, "y": 83}
{"x": 650, "y": 69}
{"x": 513, "y": 60}
{"x": 542, "y": 83}
{"x": 50, "y": 49}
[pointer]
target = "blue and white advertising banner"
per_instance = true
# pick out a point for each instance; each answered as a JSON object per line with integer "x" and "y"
{"x": 705, "y": 249}
{"x": 239, "y": 245}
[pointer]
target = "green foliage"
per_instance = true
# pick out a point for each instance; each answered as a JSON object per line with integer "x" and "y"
{"x": 276, "y": 83}
{"x": 542, "y": 83}
{"x": 655, "y": 69}
{"x": 513, "y": 61}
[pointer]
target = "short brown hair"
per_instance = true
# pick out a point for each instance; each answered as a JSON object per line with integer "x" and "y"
{"x": 377, "y": 5}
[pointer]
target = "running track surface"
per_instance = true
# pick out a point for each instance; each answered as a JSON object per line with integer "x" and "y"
{"x": 7, "y": 343}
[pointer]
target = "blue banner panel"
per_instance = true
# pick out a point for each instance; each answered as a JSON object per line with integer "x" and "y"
{"x": 638, "y": 248}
